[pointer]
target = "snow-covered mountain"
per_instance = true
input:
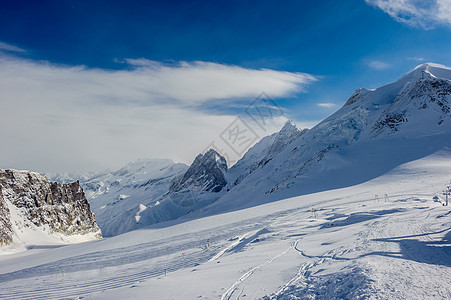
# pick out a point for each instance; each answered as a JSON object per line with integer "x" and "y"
{"x": 118, "y": 198}
{"x": 206, "y": 173}
{"x": 201, "y": 184}
{"x": 263, "y": 152}
{"x": 374, "y": 132}
{"x": 154, "y": 190}
{"x": 34, "y": 209}
{"x": 71, "y": 177}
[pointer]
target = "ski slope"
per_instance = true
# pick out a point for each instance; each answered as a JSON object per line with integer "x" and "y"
{"x": 344, "y": 243}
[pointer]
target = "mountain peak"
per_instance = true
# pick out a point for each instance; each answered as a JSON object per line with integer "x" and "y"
{"x": 289, "y": 126}
{"x": 431, "y": 65}
{"x": 429, "y": 70}
{"x": 288, "y": 132}
{"x": 206, "y": 173}
{"x": 358, "y": 94}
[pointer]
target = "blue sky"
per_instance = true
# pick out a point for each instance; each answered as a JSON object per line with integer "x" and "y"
{"x": 204, "y": 61}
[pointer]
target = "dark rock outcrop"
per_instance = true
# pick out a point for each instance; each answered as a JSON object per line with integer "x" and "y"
{"x": 6, "y": 231}
{"x": 61, "y": 208}
{"x": 206, "y": 173}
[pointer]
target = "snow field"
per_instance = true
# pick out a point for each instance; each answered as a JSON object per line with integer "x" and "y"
{"x": 342, "y": 243}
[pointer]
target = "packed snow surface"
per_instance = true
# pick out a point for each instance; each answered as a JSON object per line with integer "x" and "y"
{"x": 385, "y": 238}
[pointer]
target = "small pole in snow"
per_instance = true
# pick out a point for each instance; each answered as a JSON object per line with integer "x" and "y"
{"x": 208, "y": 243}
{"x": 386, "y": 198}
{"x": 165, "y": 272}
{"x": 183, "y": 259}
{"x": 313, "y": 213}
{"x": 447, "y": 193}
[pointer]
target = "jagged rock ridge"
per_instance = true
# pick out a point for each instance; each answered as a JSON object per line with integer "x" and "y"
{"x": 29, "y": 199}
{"x": 206, "y": 173}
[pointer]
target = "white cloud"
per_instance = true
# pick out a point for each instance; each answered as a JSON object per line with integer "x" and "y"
{"x": 378, "y": 65}
{"x": 58, "y": 118}
{"x": 417, "y": 13}
{"x": 10, "y": 48}
{"x": 419, "y": 59}
{"x": 327, "y": 105}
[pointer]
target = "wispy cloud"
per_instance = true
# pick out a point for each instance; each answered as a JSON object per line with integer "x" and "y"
{"x": 419, "y": 59}
{"x": 417, "y": 13}
{"x": 378, "y": 65}
{"x": 66, "y": 118}
{"x": 153, "y": 82}
{"x": 327, "y": 104}
{"x": 10, "y": 48}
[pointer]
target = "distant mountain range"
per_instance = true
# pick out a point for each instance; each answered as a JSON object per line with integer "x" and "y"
{"x": 375, "y": 131}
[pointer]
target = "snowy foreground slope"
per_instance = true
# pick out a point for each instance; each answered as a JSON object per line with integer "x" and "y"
{"x": 344, "y": 243}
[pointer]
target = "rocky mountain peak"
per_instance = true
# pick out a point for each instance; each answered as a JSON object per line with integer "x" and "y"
{"x": 206, "y": 173}
{"x": 357, "y": 95}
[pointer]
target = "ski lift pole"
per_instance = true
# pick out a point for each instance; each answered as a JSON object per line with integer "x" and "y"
{"x": 447, "y": 193}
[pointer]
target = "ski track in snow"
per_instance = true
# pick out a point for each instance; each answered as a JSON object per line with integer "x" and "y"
{"x": 91, "y": 273}
{"x": 69, "y": 279}
{"x": 231, "y": 290}
{"x": 68, "y": 276}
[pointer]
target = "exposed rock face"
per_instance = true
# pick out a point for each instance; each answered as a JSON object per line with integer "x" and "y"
{"x": 6, "y": 231}
{"x": 358, "y": 94}
{"x": 206, "y": 173}
{"x": 59, "y": 208}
